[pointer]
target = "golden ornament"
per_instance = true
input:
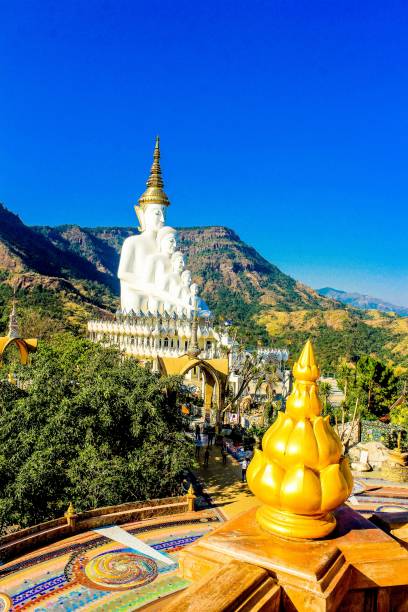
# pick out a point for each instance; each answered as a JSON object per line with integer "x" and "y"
{"x": 300, "y": 475}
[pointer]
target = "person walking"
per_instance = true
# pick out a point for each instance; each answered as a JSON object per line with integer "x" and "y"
{"x": 206, "y": 456}
{"x": 208, "y": 437}
{"x": 244, "y": 466}
{"x": 197, "y": 432}
{"x": 197, "y": 448}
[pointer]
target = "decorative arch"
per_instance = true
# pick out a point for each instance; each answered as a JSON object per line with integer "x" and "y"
{"x": 215, "y": 372}
{"x": 25, "y": 347}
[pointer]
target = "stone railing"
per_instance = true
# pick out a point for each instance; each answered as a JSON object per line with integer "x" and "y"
{"x": 73, "y": 522}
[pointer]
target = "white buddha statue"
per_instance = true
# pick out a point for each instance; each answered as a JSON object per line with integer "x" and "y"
{"x": 158, "y": 269}
{"x": 135, "y": 249}
{"x": 185, "y": 294}
{"x": 193, "y": 301}
{"x": 197, "y": 303}
{"x": 151, "y": 272}
{"x": 174, "y": 284}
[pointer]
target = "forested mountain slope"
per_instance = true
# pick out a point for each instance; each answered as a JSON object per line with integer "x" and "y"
{"x": 66, "y": 274}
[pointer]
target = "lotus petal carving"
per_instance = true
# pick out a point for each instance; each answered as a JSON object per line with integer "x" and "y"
{"x": 301, "y": 472}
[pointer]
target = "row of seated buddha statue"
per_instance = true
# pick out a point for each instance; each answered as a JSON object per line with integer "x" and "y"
{"x": 152, "y": 274}
{"x": 152, "y": 271}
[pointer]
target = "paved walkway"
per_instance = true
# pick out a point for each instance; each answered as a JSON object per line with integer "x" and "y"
{"x": 223, "y": 482}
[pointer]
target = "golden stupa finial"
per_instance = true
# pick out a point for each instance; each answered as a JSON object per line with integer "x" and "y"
{"x": 13, "y": 330}
{"x": 306, "y": 368}
{"x": 300, "y": 475}
{"x": 70, "y": 510}
{"x": 154, "y": 193}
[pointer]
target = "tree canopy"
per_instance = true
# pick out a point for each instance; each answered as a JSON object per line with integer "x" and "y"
{"x": 372, "y": 382}
{"x": 90, "y": 427}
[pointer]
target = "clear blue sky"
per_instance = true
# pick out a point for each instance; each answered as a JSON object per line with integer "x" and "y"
{"x": 285, "y": 120}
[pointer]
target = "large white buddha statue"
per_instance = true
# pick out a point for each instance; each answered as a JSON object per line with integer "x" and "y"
{"x": 150, "y": 268}
{"x": 135, "y": 249}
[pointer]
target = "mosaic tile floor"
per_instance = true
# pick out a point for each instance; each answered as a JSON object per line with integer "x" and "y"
{"x": 92, "y": 572}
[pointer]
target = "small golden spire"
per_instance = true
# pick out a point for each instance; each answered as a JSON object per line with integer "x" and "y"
{"x": 300, "y": 474}
{"x": 13, "y": 330}
{"x": 190, "y": 498}
{"x": 193, "y": 347}
{"x": 306, "y": 368}
{"x": 70, "y": 510}
{"x": 154, "y": 193}
{"x": 304, "y": 400}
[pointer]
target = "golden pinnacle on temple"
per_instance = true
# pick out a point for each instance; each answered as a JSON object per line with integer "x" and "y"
{"x": 300, "y": 476}
{"x": 154, "y": 193}
{"x": 70, "y": 510}
{"x": 13, "y": 330}
{"x": 306, "y": 368}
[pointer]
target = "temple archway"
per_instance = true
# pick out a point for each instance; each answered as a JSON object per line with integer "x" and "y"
{"x": 215, "y": 373}
{"x": 25, "y": 346}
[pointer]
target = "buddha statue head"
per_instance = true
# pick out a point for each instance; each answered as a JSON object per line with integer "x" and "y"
{"x": 186, "y": 278}
{"x": 151, "y": 218}
{"x": 166, "y": 240}
{"x": 153, "y": 201}
{"x": 177, "y": 262}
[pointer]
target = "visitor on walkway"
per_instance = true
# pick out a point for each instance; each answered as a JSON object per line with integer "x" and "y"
{"x": 197, "y": 432}
{"x": 197, "y": 448}
{"x": 224, "y": 456}
{"x": 206, "y": 456}
{"x": 244, "y": 466}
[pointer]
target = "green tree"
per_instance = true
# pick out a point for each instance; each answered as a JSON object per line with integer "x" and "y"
{"x": 90, "y": 427}
{"x": 325, "y": 390}
{"x": 370, "y": 381}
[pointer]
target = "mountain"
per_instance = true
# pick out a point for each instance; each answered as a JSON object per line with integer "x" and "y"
{"x": 67, "y": 274}
{"x": 56, "y": 287}
{"x": 235, "y": 280}
{"x": 365, "y": 302}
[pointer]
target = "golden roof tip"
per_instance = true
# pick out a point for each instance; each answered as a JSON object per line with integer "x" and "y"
{"x": 307, "y": 357}
{"x": 13, "y": 330}
{"x": 154, "y": 193}
{"x": 306, "y": 368}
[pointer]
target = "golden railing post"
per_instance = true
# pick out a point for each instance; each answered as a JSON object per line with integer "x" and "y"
{"x": 71, "y": 516}
{"x": 190, "y": 499}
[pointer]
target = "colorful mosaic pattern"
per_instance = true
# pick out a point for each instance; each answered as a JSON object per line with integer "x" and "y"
{"x": 95, "y": 573}
{"x": 117, "y": 570}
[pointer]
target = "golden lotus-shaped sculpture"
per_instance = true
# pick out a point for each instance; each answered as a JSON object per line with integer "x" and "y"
{"x": 300, "y": 475}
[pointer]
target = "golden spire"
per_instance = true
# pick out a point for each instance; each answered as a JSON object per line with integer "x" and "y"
{"x": 13, "y": 330}
{"x": 154, "y": 193}
{"x": 306, "y": 368}
{"x": 300, "y": 475}
{"x": 193, "y": 348}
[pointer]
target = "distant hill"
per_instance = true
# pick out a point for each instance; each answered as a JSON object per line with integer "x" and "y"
{"x": 67, "y": 274}
{"x": 359, "y": 300}
{"x": 57, "y": 288}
